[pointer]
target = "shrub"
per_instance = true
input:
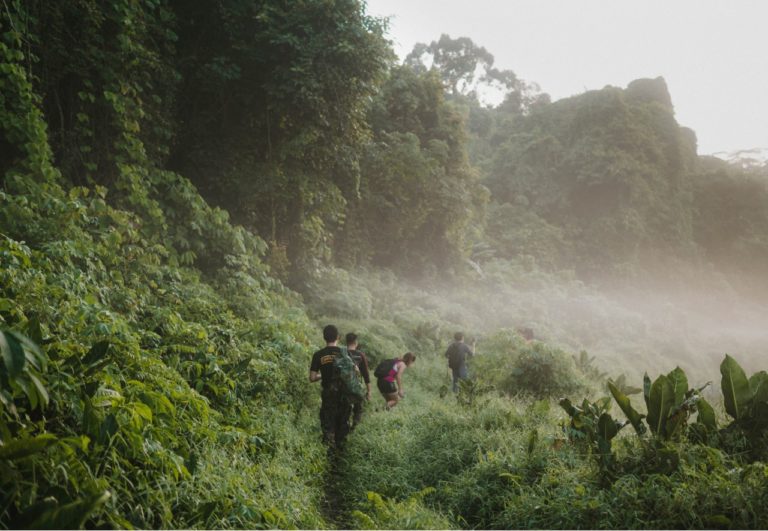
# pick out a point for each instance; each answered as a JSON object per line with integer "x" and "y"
{"x": 336, "y": 292}
{"x": 513, "y": 366}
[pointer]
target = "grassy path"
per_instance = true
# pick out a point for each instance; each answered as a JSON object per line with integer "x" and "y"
{"x": 333, "y": 506}
{"x": 432, "y": 459}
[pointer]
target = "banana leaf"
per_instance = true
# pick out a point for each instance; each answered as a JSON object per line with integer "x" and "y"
{"x": 736, "y": 392}
{"x": 706, "y": 415}
{"x": 679, "y": 384}
{"x": 661, "y": 402}
{"x": 635, "y": 418}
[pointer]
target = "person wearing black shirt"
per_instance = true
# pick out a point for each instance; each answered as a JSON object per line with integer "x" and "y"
{"x": 457, "y": 355}
{"x": 335, "y": 408}
{"x": 362, "y": 364}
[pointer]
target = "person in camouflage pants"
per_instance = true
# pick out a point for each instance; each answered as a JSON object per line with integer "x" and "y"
{"x": 335, "y": 410}
{"x": 362, "y": 364}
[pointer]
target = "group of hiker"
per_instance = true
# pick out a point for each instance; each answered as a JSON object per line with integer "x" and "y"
{"x": 339, "y": 367}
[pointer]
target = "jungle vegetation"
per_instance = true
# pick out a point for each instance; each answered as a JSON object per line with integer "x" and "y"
{"x": 190, "y": 190}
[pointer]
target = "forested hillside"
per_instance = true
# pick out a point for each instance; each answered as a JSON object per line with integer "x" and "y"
{"x": 190, "y": 190}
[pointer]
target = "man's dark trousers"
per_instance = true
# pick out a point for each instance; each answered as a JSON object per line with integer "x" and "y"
{"x": 459, "y": 373}
{"x": 334, "y": 416}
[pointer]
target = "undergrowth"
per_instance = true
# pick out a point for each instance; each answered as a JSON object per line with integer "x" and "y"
{"x": 154, "y": 375}
{"x": 501, "y": 462}
{"x": 163, "y": 392}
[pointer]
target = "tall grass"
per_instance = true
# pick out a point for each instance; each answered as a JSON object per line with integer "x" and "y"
{"x": 500, "y": 460}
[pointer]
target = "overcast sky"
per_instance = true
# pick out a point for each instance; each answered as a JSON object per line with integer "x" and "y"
{"x": 713, "y": 54}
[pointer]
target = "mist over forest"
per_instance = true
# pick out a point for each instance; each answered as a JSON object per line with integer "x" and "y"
{"x": 191, "y": 190}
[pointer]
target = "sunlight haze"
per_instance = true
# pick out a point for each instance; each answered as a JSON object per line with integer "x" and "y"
{"x": 710, "y": 53}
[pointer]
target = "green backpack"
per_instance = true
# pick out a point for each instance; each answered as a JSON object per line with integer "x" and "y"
{"x": 349, "y": 376}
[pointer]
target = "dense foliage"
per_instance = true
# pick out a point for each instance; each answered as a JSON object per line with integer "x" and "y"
{"x": 419, "y": 195}
{"x": 296, "y": 120}
{"x": 508, "y": 462}
{"x": 154, "y": 401}
{"x": 167, "y": 168}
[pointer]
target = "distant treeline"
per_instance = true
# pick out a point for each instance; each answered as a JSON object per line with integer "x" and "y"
{"x": 297, "y": 120}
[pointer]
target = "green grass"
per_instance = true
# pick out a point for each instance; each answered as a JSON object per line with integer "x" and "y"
{"x": 437, "y": 462}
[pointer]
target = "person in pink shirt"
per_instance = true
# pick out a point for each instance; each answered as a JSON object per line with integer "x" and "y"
{"x": 390, "y": 378}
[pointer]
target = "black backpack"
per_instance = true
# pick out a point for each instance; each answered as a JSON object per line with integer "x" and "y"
{"x": 383, "y": 368}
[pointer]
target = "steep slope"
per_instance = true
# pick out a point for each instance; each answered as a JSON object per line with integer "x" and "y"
{"x": 163, "y": 396}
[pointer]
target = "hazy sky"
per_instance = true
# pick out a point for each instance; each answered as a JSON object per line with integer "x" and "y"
{"x": 713, "y": 54}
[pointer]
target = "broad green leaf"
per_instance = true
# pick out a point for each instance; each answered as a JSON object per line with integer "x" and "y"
{"x": 706, "y": 415}
{"x": 35, "y": 331}
{"x": 12, "y": 354}
{"x": 736, "y": 392}
{"x": 635, "y": 418}
{"x": 18, "y": 448}
{"x": 178, "y": 464}
{"x": 142, "y": 410}
{"x": 6, "y": 399}
{"x": 606, "y": 427}
{"x": 90, "y": 419}
{"x": 79, "y": 442}
{"x": 105, "y": 397}
{"x": 679, "y": 385}
{"x": 758, "y": 385}
{"x": 27, "y": 388}
{"x": 661, "y": 401}
{"x": 42, "y": 394}
{"x": 647, "y": 390}
{"x": 33, "y": 352}
{"x": 96, "y": 353}
{"x": 158, "y": 403}
{"x": 568, "y": 407}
